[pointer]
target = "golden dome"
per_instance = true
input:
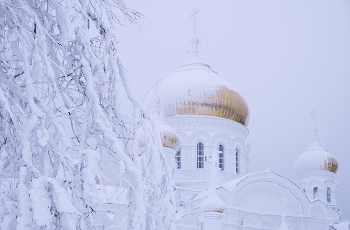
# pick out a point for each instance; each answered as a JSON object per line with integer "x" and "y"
{"x": 195, "y": 89}
{"x": 316, "y": 159}
{"x": 169, "y": 137}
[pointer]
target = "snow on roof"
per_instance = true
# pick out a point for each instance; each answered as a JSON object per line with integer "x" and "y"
{"x": 229, "y": 186}
{"x": 195, "y": 74}
{"x": 315, "y": 159}
{"x": 195, "y": 89}
{"x": 342, "y": 226}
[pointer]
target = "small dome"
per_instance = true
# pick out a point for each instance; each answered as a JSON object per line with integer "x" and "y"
{"x": 315, "y": 158}
{"x": 213, "y": 203}
{"x": 195, "y": 89}
{"x": 168, "y": 135}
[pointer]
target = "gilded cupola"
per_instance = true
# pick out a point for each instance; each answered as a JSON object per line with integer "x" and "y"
{"x": 195, "y": 89}
{"x": 167, "y": 134}
{"x": 316, "y": 157}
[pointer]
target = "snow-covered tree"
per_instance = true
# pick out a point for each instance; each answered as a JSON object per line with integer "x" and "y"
{"x": 61, "y": 123}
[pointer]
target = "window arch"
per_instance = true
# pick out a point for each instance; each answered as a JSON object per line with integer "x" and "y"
{"x": 237, "y": 161}
{"x": 200, "y": 156}
{"x": 329, "y": 195}
{"x": 178, "y": 159}
{"x": 315, "y": 193}
{"x": 221, "y": 158}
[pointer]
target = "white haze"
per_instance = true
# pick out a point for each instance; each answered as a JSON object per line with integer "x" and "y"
{"x": 284, "y": 57}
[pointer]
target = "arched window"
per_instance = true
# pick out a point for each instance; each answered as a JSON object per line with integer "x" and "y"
{"x": 178, "y": 159}
{"x": 237, "y": 161}
{"x": 221, "y": 158}
{"x": 315, "y": 193}
{"x": 329, "y": 195}
{"x": 200, "y": 156}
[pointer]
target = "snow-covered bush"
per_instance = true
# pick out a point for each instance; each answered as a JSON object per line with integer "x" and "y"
{"x": 60, "y": 119}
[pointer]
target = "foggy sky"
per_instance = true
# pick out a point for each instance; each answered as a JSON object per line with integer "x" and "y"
{"x": 283, "y": 57}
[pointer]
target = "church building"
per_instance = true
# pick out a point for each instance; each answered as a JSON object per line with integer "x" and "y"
{"x": 204, "y": 121}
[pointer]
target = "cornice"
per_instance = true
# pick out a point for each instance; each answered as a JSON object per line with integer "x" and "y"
{"x": 186, "y": 123}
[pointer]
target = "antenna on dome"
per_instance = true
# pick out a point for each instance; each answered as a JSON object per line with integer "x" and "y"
{"x": 195, "y": 39}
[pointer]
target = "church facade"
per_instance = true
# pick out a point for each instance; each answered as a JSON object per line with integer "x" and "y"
{"x": 210, "y": 120}
{"x": 204, "y": 129}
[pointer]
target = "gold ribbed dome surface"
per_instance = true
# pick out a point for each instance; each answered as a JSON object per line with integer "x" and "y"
{"x": 316, "y": 159}
{"x": 195, "y": 89}
{"x": 169, "y": 137}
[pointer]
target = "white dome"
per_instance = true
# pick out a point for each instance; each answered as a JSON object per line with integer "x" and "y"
{"x": 316, "y": 158}
{"x": 195, "y": 89}
{"x": 213, "y": 204}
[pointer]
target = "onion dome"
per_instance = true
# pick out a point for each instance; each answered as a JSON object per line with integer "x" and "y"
{"x": 168, "y": 135}
{"x": 195, "y": 89}
{"x": 316, "y": 157}
{"x": 213, "y": 204}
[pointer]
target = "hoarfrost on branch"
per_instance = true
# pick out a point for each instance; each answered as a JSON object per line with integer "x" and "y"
{"x": 61, "y": 124}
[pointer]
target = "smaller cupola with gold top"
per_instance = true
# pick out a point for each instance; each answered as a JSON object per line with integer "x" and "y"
{"x": 316, "y": 169}
{"x": 316, "y": 157}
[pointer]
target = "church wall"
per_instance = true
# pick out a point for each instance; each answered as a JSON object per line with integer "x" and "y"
{"x": 211, "y": 131}
{"x": 320, "y": 180}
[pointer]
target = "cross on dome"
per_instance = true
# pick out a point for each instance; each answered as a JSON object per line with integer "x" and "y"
{"x": 195, "y": 39}
{"x": 314, "y": 130}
